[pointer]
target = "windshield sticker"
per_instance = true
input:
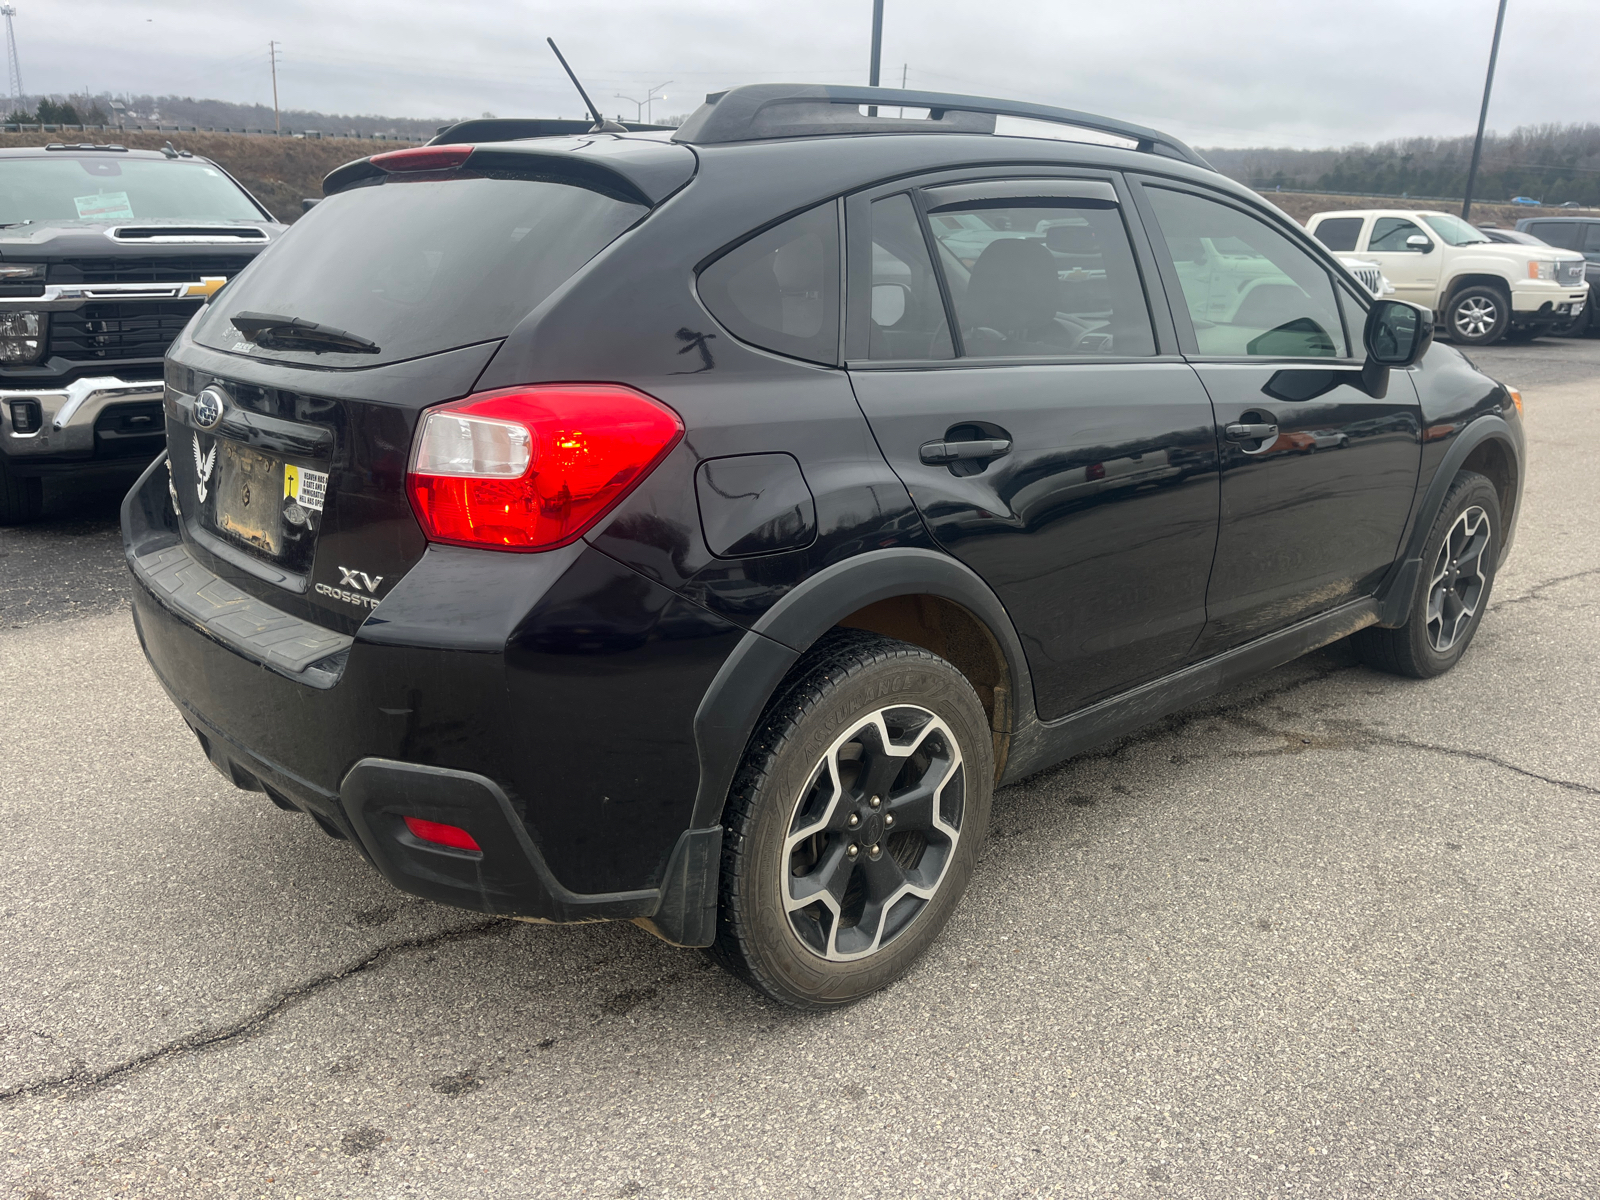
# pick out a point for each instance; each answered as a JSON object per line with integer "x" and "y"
{"x": 107, "y": 206}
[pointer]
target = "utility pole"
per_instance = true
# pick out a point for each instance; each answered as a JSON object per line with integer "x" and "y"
{"x": 14, "y": 69}
{"x": 904, "y": 67}
{"x": 1483, "y": 113}
{"x": 277, "y": 121}
{"x": 877, "y": 49}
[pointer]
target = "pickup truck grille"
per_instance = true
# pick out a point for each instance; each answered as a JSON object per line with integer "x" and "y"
{"x": 1371, "y": 278}
{"x": 139, "y": 329}
{"x": 180, "y": 268}
{"x": 1569, "y": 274}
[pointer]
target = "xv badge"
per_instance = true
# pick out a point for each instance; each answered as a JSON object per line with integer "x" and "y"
{"x": 203, "y": 468}
{"x": 359, "y": 579}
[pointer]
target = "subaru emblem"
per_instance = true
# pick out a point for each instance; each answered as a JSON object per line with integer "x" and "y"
{"x": 208, "y": 407}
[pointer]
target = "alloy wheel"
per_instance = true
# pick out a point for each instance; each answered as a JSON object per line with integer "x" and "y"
{"x": 873, "y": 832}
{"x": 1476, "y": 316}
{"x": 1459, "y": 582}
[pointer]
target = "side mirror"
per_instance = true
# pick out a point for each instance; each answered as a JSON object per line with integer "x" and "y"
{"x": 888, "y": 304}
{"x": 1397, "y": 335}
{"x": 1420, "y": 243}
{"x": 309, "y": 203}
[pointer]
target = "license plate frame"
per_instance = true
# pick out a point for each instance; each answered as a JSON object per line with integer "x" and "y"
{"x": 249, "y": 506}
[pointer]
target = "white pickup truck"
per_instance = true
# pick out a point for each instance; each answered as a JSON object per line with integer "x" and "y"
{"x": 1479, "y": 290}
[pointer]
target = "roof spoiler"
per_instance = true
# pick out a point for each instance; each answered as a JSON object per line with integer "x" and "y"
{"x": 778, "y": 110}
{"x": 512, "y": 129}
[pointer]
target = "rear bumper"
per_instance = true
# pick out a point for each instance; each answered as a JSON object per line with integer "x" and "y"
{"x": 546, "y": 704}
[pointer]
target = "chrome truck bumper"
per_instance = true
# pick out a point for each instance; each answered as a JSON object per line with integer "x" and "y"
{"x": 60, "y": 422}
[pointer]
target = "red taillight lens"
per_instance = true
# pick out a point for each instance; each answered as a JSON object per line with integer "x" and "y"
{"x": 422, "y": 158}
{"x": 1095, "y": 471}
{"x": 444, "y": 835}
{"x": 532, "y": 468}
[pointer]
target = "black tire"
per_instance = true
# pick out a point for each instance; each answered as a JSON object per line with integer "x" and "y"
{"x": 21, "y": 499}
{"x": 1417, "y": 648}
{"x": 1477, "y": 315}
{"x": 820, "y": 727}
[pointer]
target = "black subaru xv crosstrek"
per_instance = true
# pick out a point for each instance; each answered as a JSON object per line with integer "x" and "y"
{"x": 695, "y": 529}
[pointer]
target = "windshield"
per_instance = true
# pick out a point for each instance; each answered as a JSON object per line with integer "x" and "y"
{"x": 420, "y": 266}
{"x": 1453, "y": 230}
{"x": 109, "y": 187}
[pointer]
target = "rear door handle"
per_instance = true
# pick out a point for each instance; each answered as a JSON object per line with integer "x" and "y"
{"x": 936, "y": 454}
{"x": 1250, "y": 433}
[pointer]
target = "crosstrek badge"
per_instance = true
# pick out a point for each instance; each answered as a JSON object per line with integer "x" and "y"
{"x": 305, "y": 487}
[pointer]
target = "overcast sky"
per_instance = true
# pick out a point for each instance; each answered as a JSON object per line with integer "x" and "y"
{"x": 1215, "y": 72}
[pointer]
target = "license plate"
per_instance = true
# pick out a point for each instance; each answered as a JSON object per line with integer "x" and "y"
{"x": 250, "y": 497}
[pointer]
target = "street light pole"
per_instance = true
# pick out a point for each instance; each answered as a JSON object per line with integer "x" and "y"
{"x": 1483, "y": 114}
{"x": 643, "y": 110}
{"x": 877, "y": 49}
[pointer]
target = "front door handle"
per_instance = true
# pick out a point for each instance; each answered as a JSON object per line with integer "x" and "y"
{"x": 938, "y": 454}
{"x": 1251, "y": 433}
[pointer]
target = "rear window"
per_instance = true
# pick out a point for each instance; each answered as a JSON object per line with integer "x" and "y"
{"x": 420, "y": 266}
{"x": 1339, "y": 233}
{"x": 1556, "y": 233}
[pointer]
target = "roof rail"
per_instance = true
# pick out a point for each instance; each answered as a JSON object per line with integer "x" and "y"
{"x": 776, "y": 110}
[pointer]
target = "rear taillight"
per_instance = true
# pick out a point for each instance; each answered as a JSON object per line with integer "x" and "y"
{"x": 422, "y": 158}
{"x": 532, "y": 468}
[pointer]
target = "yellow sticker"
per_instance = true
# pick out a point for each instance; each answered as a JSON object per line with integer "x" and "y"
{"x": 291, "y": 481}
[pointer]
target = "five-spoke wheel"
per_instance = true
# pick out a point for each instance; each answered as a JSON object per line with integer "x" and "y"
{"x": 873, "y": 832}
{"x": 1458, "y": 583}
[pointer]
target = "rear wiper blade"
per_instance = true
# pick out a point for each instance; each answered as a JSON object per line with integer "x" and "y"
{"x": 273, "y": 332}
{"x": 14, "y": 224}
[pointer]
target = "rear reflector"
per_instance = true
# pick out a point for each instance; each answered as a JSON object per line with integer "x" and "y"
{"x": 422, "y": 158}
{"x": 533, "y": 468}
{"x": 443, "y": 835}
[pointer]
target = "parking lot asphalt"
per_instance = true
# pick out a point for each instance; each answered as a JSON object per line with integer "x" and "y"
{"x": 1333, "y": 934}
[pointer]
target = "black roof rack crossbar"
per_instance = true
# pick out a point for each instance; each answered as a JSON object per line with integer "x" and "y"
{"x": 772, "y": 110}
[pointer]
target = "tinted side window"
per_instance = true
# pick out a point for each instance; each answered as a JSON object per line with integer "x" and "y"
{"x": 1339, "y": 233}
{"x": 1042, "y": 278}
{"x": 1591, "y": 238}
{"x": 1390, "y": 233}
{"x": 1249, "y": 289}
{"x": 780, "y": 289}
{"x": 1556, "y": 233}
{"x": 908, "y": 320}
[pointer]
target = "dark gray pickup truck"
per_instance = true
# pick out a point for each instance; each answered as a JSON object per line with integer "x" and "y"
{"x": 105, "y": 254}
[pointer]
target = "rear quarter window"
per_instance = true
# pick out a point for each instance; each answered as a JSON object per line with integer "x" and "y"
{"x": 780, "y": 289}
{"x": 422, "y": 266}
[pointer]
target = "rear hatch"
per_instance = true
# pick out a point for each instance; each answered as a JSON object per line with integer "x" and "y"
{"x": 292, "y": 401}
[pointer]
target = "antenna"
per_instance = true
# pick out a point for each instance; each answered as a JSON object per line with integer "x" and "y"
{"x": 14, "y": 68}
{"x": 601, "y": 125}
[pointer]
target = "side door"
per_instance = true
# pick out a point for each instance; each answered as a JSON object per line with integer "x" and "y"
{"x": 1318, "y": 476}
{"x": 1050, "y": 434}
{"x": 1413, "y": 267}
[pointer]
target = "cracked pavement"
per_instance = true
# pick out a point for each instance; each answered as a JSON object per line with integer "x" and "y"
{"x": 1332, "y": 934}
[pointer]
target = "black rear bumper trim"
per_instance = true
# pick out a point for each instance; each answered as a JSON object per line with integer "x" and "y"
{"x": 239, "y": 621}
